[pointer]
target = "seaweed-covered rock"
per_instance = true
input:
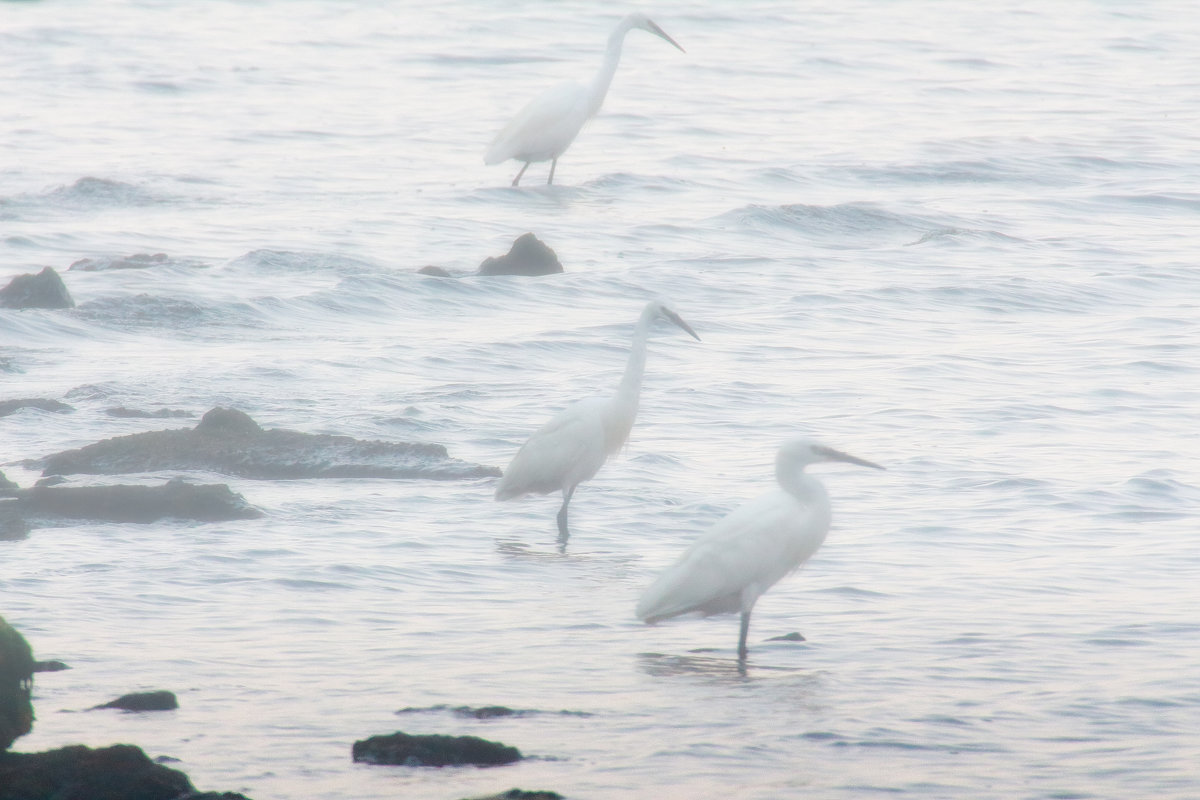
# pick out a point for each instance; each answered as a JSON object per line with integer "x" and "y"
{"x": 527, "y": 256}
{"x": 119, "y": 772}
{"x": 43, "y": 290}
{"x": 175, "y": 499}
{"x": 433, "y": 750}
{"x": 16, "y": 686}
{"x": 230, "y": 442}
{"x": 160, "y": 700}
{"x": 12, "y": 406}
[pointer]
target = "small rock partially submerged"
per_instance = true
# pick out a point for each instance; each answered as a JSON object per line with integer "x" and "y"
{"x": 487, "y": 712}
{"x": 43, "y": 290}
{"x": 160, "y": 700}
{"x": 230, "y": 442}
{"x": 521, "y": 794}
{"x": 527, "y": 256}
{"x": 433, "y": 750}
{"x": 175, "y": 499}
{"x": 136, "y": 261}
{"x": 13, "y": 406}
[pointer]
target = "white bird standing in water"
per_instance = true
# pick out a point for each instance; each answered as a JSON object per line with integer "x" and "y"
{"x": 544, "y": 129}
{"x": 742, "y": 556}
{"x": 575, "y": 443}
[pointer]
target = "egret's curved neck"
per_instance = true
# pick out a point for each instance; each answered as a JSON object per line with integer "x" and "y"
{"x": 793, "y": 480}
{"x": 612, "y": 57}
{"x": 631, "y": 381}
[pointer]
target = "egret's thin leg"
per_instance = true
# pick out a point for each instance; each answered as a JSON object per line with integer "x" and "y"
{"x": 742, "y": 651}
{"x": 517, "y": 179}
{"x": 553, "y": 164}
{"x": 563, "y": 533}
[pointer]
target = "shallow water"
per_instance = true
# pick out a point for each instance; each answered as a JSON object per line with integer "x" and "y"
{"x": 957, "y": 241}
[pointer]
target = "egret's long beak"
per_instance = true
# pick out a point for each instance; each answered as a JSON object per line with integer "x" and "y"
{"x": 678, "y": 320}
{"x": 838, "y": 455}
{"x": 657, "y": 31}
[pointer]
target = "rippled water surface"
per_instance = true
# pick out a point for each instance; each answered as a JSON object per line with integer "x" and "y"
{"x": 956, "y": 239}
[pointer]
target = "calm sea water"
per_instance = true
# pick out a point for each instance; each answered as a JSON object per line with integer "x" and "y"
{"x": 957, "y": 240}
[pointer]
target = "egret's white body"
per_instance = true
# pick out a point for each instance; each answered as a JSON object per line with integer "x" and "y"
{"x": 546, "y": 127}
{"x": 575, "y": 443}
{"x": 745, "y": 553}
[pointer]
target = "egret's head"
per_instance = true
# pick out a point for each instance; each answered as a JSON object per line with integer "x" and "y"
{"x": 799, "y": 453}
{"x": 657, "y": 308}
{"x": 640, "y": 20}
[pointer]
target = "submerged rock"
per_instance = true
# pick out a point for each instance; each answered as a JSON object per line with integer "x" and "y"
{"x": 527, "y": 256}
{"x": 433, "y": 750}
{"x": 16, "y": 687}
{"x": 137, "y": 413}
{"x": 521, "y": 794}
{"x": 50, "y": 665}
{"x": 161, "y": 700}
{"x": 136, "y": 261}
{"x": 175, "y": 499}
{"x": 12, "y": 406}
{"x": 435, "y": 271}
{"x": 43, "y": 290}
{"x": 230, "y": 442}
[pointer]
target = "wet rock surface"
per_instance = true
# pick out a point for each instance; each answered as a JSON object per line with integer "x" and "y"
{"x": 43, "y": 290}
{"x": 230, "y": 442}
{"x": 13, "y": 406}
{"x": 527, "y": 256}
{"x": 175, "y": 499}
{"x": 433, "y": 750}
{"x": 161, "y": 700}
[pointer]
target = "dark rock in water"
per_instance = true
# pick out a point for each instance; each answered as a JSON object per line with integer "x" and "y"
{"x": 161, "y": 700}
{"x": 230, "y": 442}
{"x": 527, "y": 256}
{"x": 51, "y": 665}
{"x": 119, "y": 772}
{"x": 433, "y": 750}
{"x": 788, "y": 637}
{"x": 137, "y": 261}
{"x": 53, "y": 480}
{"x": 43, "y": 290}
{"x": 6, "y": 486}
{"x": 435, "y": 271}
{"x": 12, "y": 406}
{"x": 487, "y": 712}
{"x": 213, "y": 796}
{"x": 174, "y": 499}
{"x": 16, "y": 686}
{"x": 135, "y": 413}
{"x": 521, "y": 794}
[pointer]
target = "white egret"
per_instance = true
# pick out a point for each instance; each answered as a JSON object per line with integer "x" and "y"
{"x": 575, "y": 443}
{"x": 545, "y": 128}
{"x": 736, "y": 561}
